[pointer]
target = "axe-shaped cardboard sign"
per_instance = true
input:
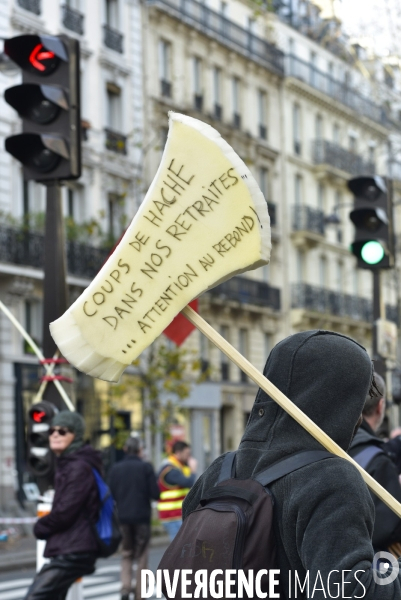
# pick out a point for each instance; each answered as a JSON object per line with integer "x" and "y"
{"x": 203, "y": 220}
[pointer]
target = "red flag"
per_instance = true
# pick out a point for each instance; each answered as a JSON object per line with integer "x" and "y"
{"x": 180, "y": 328}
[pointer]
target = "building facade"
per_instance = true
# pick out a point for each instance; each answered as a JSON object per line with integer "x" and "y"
{"x": 96, "y": 207}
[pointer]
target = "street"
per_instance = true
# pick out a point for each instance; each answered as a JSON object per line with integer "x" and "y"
{"x": 103, "y": 584}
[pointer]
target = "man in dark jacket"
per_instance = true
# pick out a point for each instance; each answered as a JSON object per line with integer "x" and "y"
{"x": 133, "y": 485}
{"x": 369, "y": 451}
{"x": 324, "y": 514}
{"x": 68, "y": 529}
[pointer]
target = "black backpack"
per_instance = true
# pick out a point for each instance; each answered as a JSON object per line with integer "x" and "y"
{"x": 232, "y": 527}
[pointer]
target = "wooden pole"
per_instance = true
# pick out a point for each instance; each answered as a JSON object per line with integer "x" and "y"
{"x": 287, "y": 405}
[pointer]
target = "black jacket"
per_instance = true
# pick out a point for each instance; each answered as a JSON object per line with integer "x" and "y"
{"x": 387, "y": 529}
{"x": 323, "y": 512}
{"x": 69, "y": 526}
{"x": 133, "y": 485}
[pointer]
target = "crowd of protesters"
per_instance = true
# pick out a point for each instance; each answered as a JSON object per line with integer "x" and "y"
{"x": 324, "y": 506}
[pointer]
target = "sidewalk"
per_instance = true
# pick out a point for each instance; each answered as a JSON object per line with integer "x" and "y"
{"x": 21, "y": 554}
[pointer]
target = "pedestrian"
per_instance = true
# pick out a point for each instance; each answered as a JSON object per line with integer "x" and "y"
{"x": 133, "y": 485}
{"x": 370, "y": 452}
{"x": 71, "y": 544}
{"x": 323, "y": 513}
{"x": 177, "y": 475}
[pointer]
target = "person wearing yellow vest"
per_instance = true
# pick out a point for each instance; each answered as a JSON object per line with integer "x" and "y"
{"x": 177, "y": 475}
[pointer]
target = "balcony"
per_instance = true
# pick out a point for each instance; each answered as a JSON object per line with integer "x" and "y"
{"x": 307, "y": 226}
{"x": 73, "y": 20}
{"x": 115, "y": 142}
{"x": 322, "y": 300}
{"x": 198, "y": 102}
{"x": 248, "y": 291}
{"x": 226, "y": 32}
{"x": 338, "y": 90}
{"x": 34, "y": 6}
{"x": 328, "y": 153}
{"x": 113, "y": 39}
{"x": 26, "y": 248}
{"x": 165, "y": 88}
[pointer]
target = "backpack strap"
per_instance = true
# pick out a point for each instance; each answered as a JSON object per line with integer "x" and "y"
{"x": 290, "y": 464}
{"x": 227, "y": 469}
{"x": 364, "y": 457}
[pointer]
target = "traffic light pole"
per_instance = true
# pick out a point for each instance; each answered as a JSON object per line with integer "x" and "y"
{"x": 378, "y": 309}
{"x": 55, "y": 285}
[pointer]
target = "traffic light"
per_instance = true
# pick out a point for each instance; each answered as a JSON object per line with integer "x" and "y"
{"x": 373, "y": 244}
{"x": 40, "y": 457}
{"x": 48, "y": 102}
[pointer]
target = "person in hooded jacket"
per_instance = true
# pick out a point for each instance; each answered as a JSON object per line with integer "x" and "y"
{"x": 387, "y": 529}
{"x": 324, "y": 514}
{"x": 71, "y": 544}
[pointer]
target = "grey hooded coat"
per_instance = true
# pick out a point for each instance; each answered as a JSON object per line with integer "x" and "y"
{"x": 323, "y": 512}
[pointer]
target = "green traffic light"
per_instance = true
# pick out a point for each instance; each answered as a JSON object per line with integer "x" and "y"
{"x": 372, "y": 252}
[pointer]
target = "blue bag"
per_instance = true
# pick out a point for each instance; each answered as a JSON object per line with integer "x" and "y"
{"x": 106, "y": 530}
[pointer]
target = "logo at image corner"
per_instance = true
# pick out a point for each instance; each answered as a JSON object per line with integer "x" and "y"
{"x": 385, "y": 568}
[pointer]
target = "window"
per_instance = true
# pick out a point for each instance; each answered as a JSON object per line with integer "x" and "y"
{"x": 371, "y": 152}
{"x": 243, "y": 349}
{"x": 112, "y": 19}
{"x": 217, "y": 93}
{"x": 330, "y": 70}
{"x": 163, "y": 137}
{"x": 75, "y": 4}
{"x": 336, "y": 134}
{"x": 33, "y": 323}
{"x": 321, "y": 196}
{"x": 312, "y": 73}
{"x": 236, "y": 102}
{"x": 340, "y": 276}
{"x": 296, "y": 129}
{"x": 322, "y": 271}
{"x": 268, "y": 344}
{"x": 225, "y": 363}
{"x": 262, "y": 111}
{"x": 355, "y": 282}
{"x": 114, "y": 120}
{"x": 298, "y": 190}
{"x": 264, "y": 182}
{"x": 319, "y": 127}
{"x": 25, "y": 201}
{"x": 197, "y": 83}
{"x": 165, "y": 68}
{"x": 352, "y": 142}
{"x": 116, "y": 216}
{"x": 338, "y": 207}
{"x": 70, "y": 203}
{"x": 204, "y": 353}
{"x": 300, "y": 266}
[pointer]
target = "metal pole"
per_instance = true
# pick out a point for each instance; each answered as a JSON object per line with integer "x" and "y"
{"x": 55, "y": 286}
{"x": 378, "y": 313}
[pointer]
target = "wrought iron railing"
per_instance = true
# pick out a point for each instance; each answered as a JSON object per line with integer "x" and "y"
{"x": 113, "y": 39}
{"x": 218, "y": 112}
{"x": 198, "y": 102}
{"x": 325, "y": 152}
{"x": 339, "y": 90}
{"x": 26, "y": 248}
{"x": 311, "y": 297}
{"x": 306, "y": 218}
{"x": 248, "y": 291}
{"x": 221, "y": 29}
{"x": 73, "y": 19}
{"x": 34, "y": 6}
{"x": 116, "y": 142}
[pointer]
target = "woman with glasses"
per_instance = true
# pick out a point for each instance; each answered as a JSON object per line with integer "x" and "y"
{"x": 68, "y": 529}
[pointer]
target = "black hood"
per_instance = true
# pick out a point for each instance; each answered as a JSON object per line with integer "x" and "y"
{"x": 88, "y": 454}
{"x": 327, "y": 375}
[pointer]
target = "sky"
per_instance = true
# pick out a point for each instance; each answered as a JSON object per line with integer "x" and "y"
{"x": 378, "y": 20}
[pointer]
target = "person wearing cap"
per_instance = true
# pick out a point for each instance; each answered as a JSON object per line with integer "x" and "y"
{"x": 68, "y": 529}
